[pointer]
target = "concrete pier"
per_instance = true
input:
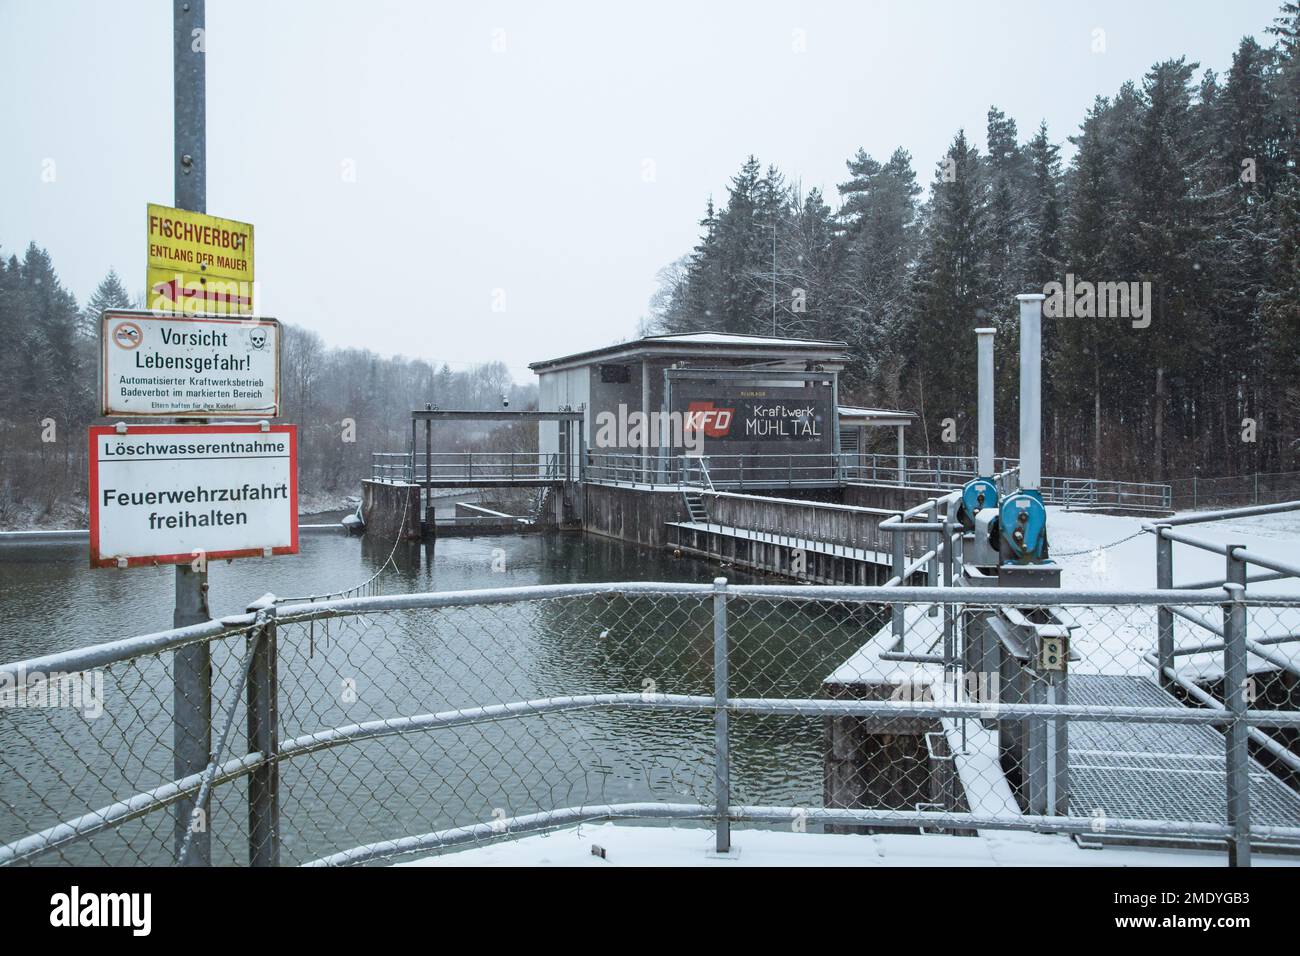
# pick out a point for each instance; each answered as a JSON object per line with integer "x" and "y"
{"x": 391, "y": 509}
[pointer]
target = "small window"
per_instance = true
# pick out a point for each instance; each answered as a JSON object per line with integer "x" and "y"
{"x": 615, "y": 374}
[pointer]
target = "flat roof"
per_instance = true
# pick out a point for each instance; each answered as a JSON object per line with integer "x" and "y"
{"x": 706, "y": 344}
{"x": 857, "y": 415}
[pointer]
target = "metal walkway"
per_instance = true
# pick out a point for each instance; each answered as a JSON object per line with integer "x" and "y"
{"x": 1158, "y": 771}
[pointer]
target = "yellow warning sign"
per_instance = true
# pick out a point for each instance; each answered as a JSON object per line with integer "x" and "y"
{"x": 199, "y": 263}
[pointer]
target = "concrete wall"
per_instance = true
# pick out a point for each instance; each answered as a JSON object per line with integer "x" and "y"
{"x": 632, "y": 515}
{"x": 382, "y": 508}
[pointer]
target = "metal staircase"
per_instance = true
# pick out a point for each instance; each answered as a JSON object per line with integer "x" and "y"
{"x": 695, "y": 506}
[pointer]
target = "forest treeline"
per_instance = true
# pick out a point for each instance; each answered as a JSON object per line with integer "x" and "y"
{"x": 1186, "y": 179}
{"x": 49, "y": 376}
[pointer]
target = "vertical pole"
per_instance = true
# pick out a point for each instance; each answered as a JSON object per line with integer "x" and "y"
{"x": 192, "y": 677}
{"x": 1237, "y": 751}
{"x": 192, "y": 712}
{"x": 949, "y": 632}
{"x": 579, "y": 426}
{"x": 722, "y": 756}
{"x": 264, "y": 738}
{"x": 902, "y": 460}
{"x": 835, "y": 428}
{"x": 414, "y": 451}
{"x": 984, "y": 359}
{"x": 429, "y": 515}
{"x": 1164, "y": 616}
{"x": 899, "y": 538}
{"x": 1031, "y": 390}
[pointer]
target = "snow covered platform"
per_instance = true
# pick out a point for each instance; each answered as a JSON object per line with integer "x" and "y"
{"x": 693, "y": 846}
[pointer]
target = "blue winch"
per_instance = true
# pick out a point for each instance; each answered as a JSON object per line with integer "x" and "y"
{"x": 1022, "y": 528}
{"x": 976, "y": 495}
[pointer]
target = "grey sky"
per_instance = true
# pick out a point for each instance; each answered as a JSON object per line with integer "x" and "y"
{"x": 521, "y": 170}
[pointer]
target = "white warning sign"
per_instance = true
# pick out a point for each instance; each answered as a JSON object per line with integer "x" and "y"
{"x": 204, "y": 366}
{"x": 175, "y": 494}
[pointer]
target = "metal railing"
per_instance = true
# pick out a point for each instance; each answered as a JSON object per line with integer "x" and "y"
{"x": 1235, "y": 490}
{"x": 469, "y": 467}
{"x": 738, "y": 472}
{"x": 356, "y": 730}
{"x": 1110, "y": 495}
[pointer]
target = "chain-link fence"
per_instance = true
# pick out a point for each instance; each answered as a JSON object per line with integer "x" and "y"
{"x": 368, "y": 729}
{"x": 1197, "y": 493}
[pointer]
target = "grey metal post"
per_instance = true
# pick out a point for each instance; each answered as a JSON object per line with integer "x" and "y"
{"x": 1031, "y": 387}
{"x": 1164, "y": 616}
{"x": 835, "y": 428}
{"x": 896, "y": 609}
{"x": 722, "y": 756}
{"x": 264, "y": 738}
{"x": 932, "y": 570}
{"x": 1237, "y": 749}
{"x": 949, "y": 634}
{"x": 984, "y": 373}
{"x": 192, "y": 666}
{"x": 192, "y": 711}
{"x": 429, "y": 515}
{"x": 902, "y": 458}
{"x": 580, "y": 425}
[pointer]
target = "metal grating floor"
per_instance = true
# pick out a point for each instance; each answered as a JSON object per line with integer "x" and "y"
{"x": 1158, "y": 771}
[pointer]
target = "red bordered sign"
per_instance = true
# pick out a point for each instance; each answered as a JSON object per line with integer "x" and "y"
{"x": 174, "y": 494}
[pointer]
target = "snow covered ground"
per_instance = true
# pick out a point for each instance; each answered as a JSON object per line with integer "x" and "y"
{"x": 1113, "y": 640}
{"x": 1132, "y": 563}
{"x": 693, "y": 846}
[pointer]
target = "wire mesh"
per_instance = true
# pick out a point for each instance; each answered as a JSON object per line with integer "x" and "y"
{"x": 387, "y": 729}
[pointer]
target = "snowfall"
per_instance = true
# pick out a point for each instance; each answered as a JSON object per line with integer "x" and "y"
{"x": 1096, "y": 552}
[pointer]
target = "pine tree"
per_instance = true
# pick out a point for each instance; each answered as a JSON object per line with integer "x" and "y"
{"x": 953, "y": 289}
{"x": 109, "y": 294}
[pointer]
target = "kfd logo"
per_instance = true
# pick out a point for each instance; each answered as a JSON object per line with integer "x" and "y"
{"x": 714, "y": 422}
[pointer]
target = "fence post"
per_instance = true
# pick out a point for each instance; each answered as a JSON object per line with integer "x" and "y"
{"x": 264, "y": 738}
{"x": 1164, "y": 616}
{"x": 722, "y": 757}
{"x": 949, "y": 565}
{"x": 192, "y": 715}
{"x": 1236, "y": 743}
{"x": 896, "y": 609}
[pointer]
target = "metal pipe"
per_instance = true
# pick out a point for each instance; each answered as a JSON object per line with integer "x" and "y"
{"x": 984, "y": 348}
{"x": 1236, "y": 749}
{"x": 1234, "y": 513}
{"x": 1031, "y": 390}
{"x": 1213, "y": 582}
{"x": 722, "y": 756}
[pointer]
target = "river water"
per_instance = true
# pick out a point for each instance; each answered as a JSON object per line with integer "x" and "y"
{"x": 58, "y": 763}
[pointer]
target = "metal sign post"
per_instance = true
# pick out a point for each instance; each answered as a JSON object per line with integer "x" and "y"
{"x": 192, "y": 675}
